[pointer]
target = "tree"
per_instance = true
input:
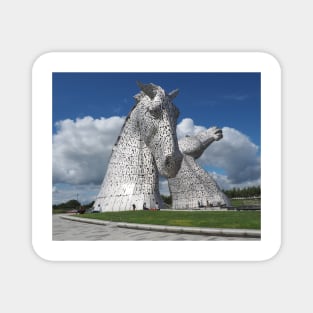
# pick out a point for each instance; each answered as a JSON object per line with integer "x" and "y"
{"x": 167, "y": 199}
{"x": 69, "y": 205}
{"x": 246, "y": 192}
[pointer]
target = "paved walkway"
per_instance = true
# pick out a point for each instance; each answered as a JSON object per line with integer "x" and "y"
{"x": 64, "y": 229}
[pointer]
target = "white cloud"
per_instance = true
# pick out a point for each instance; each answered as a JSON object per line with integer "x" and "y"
{"x": 163, "y": 187}
{"x": 236, "y": 154}
{"x": 236, "y": 97}
{"x": 65, "y": 192}
{"x": 187, "y": 127}
{"x": 225, "y": 183}
{"x": 81, "y": 149}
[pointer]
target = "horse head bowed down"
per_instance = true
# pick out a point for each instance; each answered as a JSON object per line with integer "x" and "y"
{"x": 157, "y": 116}
{"x": 147, "y": 146}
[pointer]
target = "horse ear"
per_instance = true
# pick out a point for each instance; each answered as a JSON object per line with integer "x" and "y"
{"x": 173, "y": 94}
{"x": 137, "y": 97}
{"x": 150, "y": 89}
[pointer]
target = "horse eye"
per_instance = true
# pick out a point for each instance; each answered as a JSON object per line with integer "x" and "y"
{"x": 156, "y": 112}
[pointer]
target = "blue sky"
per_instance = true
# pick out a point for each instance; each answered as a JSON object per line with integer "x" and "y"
{"x": 231, "y": 101}
{"x": 220, "y": 99}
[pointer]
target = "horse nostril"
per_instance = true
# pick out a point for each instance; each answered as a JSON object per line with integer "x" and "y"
{"x": 168, "y": 161}
{"x": 172, "y": 160}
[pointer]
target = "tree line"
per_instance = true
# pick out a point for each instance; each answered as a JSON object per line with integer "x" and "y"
{"x": 246, "y": 192}
{"x": 70, "y": 205}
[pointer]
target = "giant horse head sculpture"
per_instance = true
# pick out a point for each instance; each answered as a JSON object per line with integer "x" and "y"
{"x": 146, "y": 147}
{"x": 157, "y": 117}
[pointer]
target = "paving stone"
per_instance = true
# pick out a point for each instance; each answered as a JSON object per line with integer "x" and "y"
{"x": 72, "y": 230}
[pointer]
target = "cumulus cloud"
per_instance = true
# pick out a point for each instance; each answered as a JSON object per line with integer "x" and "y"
{"x": 81, "y": 149}
{"x": 225, "y": 183}
{"x": 187, "y": 127}
{"x": 65, "y": 192}
{"x": 163, "y": 186}
{"x": 236, "y": 154}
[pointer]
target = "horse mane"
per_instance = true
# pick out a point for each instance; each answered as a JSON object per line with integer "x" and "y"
{"x": 138, "y": 97}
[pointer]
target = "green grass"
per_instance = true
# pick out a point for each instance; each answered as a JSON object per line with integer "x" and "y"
{"x": 215, "y": 219}
{"x": 245, "y": 202}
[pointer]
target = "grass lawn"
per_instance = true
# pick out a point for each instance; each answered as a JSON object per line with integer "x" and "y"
{"x": 215, "y": 219}
{"x": 245, "y": 202}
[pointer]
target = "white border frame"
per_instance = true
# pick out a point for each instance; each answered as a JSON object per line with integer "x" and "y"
{"x": 51, "y": 250}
